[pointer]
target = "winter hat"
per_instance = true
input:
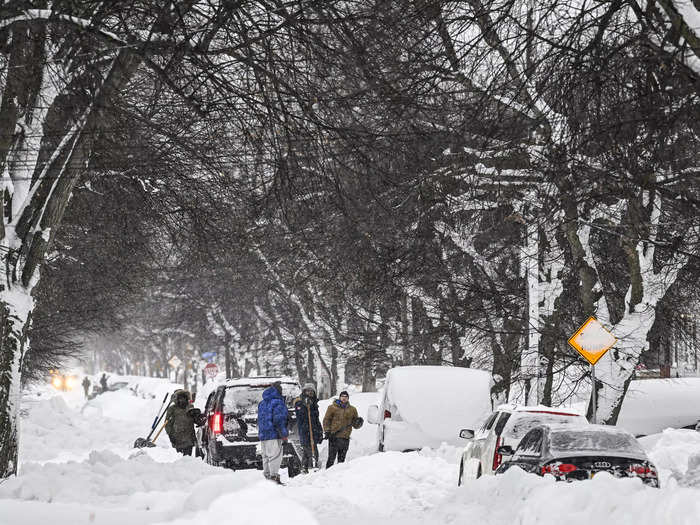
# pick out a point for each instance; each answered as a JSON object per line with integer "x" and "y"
{"x": 309, "y": 386}
{"x": 344, "y": 393}
{"x": 277, "y": 386}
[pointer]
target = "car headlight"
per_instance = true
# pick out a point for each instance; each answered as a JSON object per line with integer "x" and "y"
{"x": 57, "y": 381}
{"x": 71, "y": 382}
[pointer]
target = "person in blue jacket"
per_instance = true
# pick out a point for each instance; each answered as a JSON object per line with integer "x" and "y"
{"x": 272, "y": 430}
{"x": 309, "y": 425}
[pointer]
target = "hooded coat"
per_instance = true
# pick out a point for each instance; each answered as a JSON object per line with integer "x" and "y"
{"x": 272, "y": 416}
{"x": 339, "y": 418}
{"x": 180, "y": 422}
{"x": 303, "y": 407}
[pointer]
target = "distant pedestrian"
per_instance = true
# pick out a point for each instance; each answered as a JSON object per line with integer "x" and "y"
{"x": 272, "y": 430}
{"x": 309, "y": 426}
{"x": 341, "y": 417}
{"x": 180, "y": 419}
{"x": 103, "y": 382}
{"x": 86, "y": 386}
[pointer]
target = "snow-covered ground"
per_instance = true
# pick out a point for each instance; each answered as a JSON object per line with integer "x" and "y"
{"x": 78, "y": 467}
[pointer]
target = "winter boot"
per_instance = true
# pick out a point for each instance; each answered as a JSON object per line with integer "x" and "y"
{"x": 276, "y": 479}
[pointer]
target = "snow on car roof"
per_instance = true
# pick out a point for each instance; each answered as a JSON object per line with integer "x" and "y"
{"x": 440, "y": 400}
{"x": 592, "y": 438}
{"x": 258, "y": 381}
{"x": 539, "y": 409}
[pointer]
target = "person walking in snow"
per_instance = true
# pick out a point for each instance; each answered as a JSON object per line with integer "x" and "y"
{"x": 272, "y": 430}
{"x": 103, "y": 382}
{"x": 180, "y": 419}
{"x": 341, "y": 417}
{"x": 309, "y": 426}
{"x": 86, "y": 386}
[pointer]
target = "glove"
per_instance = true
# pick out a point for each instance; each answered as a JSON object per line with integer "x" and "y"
{"x": 327, "y": 436}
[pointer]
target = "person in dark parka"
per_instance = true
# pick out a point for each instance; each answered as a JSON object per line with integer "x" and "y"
{"x": 309, "y": 425}
{"x": 180, "y": 419}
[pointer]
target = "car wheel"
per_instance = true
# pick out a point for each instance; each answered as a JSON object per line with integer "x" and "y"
{"x": 461, "y": 473}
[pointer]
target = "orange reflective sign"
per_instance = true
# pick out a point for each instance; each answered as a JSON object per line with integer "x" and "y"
{"x": 592, "y": 340}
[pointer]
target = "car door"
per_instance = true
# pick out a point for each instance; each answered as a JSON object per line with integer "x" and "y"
{"x": 480, "y": 446}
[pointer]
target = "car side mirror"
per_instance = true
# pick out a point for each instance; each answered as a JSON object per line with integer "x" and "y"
{"x": 466, "y": 434}
{"x": 373, "y": 414}
{"x": 505, "y": 450}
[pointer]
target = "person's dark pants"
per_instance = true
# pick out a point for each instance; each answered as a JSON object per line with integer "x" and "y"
{"x": 339, "y": 447}
{"x": 185, "y": 451}
{"x": 307, "y": 455}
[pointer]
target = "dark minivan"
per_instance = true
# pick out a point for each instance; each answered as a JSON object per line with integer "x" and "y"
{"x": 230, "y": 436}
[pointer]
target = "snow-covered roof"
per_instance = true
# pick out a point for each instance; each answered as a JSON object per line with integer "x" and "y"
{"x": 259, "y": 381}
{"x": 538, "y": 409}
{"x": 440, "y": 400}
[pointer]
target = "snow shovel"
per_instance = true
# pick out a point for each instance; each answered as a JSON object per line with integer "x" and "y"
{"x": 141, "y": 442}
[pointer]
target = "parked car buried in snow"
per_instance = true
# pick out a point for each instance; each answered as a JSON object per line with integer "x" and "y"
{"x": 427, "y": 405}
{"x": 505, "y": 426}
{"x": 572, "y": 452}
{"x": 230, "y": 436}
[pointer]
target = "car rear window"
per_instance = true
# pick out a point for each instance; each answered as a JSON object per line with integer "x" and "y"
{"x": 522, "y": 422}
{"x": 593, "y": 441}
{"x": 244, "y": 399}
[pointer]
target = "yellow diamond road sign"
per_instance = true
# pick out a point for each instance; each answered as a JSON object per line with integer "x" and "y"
{"x": 592, "y": 340}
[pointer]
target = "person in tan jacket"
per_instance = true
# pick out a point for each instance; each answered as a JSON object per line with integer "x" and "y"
{"x": 338, "y": 423}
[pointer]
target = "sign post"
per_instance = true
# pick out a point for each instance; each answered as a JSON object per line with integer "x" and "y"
{"x": 592, "y": 341}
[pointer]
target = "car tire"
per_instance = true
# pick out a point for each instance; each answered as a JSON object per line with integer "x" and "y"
{"x": 461, "y": 473}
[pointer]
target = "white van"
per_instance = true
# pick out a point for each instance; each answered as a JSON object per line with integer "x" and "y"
{"x": 428, "y": 405}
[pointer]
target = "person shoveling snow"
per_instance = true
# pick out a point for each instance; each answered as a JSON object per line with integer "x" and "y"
{"x": 309, "y": 425}
{"x": 180, "y": 420}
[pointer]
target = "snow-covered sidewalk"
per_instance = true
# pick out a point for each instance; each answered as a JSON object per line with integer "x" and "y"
{"x": 79, "y": 467}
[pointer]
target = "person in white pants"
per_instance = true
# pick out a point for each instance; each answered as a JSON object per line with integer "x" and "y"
{"x": 272, "y": 458}
{"x": 272, "y": 430}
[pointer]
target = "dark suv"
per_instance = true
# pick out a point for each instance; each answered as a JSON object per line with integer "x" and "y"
{"x": 230, "y": 436}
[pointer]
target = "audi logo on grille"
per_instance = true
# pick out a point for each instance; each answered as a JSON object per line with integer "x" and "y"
{"x": 601, "y": 464}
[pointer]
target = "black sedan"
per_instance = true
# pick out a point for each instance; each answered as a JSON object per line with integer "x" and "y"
{"x": 571, "y": 453}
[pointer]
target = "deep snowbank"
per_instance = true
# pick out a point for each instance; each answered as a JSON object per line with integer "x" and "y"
{"x": 517, "y": 497}
{"x": 79, "y": 468}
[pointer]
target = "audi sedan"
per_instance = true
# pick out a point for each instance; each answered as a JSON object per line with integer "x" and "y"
{"x": 571, "y": 453}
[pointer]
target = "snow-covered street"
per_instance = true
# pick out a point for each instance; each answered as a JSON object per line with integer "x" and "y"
{"x": 79, "y": 467}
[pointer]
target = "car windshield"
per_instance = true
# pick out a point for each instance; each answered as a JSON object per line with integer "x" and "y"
{"x": 523, "y": 422}
{"x": 245, "y": 398}
{"x": 594, "y": 441}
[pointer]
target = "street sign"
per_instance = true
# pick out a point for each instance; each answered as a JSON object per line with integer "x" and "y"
{"x": 174, "y": 361}
{"x": 211, "y": 370}
{"x": 592, "y": 340}
{"x": 208, "y": 355}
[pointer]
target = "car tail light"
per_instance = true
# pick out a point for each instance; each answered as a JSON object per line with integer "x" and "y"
{"x": 497, "y": 458}
{"x": 387, "y": 414}
{"x": 558, "y": 470}
{"x": 217, "y": 423}
{"x": 644, "y": 471}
